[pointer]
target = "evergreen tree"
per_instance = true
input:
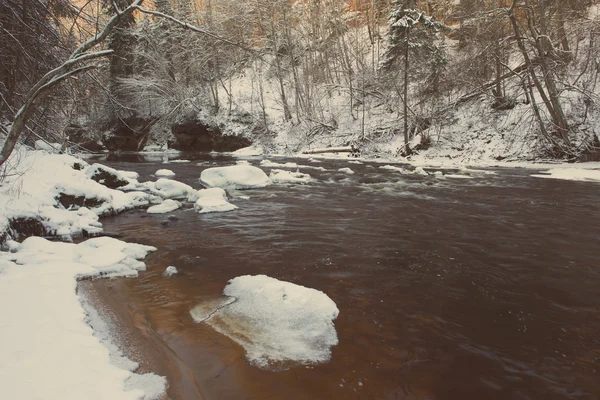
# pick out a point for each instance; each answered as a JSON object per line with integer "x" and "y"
{"x": 413, "y": 35}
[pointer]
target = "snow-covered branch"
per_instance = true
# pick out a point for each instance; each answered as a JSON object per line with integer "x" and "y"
{"x": 52, "y": 78}
{"x": 193, "y": 28}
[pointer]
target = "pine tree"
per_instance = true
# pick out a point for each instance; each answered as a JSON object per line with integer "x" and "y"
{"x": 413, "y": 35}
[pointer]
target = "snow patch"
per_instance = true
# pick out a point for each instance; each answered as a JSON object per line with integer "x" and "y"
{"x": 249, "y": 151}
{"x": 281, "y": 176}
{"x": 571, "y": 174}
{"x": 271, "y": 164}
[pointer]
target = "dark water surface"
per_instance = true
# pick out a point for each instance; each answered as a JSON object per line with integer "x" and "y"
{"x": 487, "y": 288}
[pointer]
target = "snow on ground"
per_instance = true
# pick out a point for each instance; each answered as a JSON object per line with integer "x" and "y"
{"x": 346, "y": 171}
{"x": 49, "y": 147}
{"x": 164, "y": 173}
{"x": 47, "y": 348}
{"x": 275, "y": 321}
{"x": 235, "y": 177}
{"x": 281, "y": 176}
{"x": 166, "y": 206}
{"x": 249, "y": 151}
{"x": 572, "y": 174}
{"x": 213, "y": 200}
{"x": 271, "y": 164}
{"x": 55, "y": 190}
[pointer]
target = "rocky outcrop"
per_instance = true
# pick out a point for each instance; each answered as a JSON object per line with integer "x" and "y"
{"x": 128, "y": 134}
{"x": 194, "y": 135}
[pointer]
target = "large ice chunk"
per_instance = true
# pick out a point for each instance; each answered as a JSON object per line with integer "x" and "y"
{"x": 278, "y": 323}
{"x": 235, "y": 177}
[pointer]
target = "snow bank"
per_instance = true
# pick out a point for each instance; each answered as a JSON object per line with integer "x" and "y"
{"x": 164, "y": 207}
{"x": 164, "y": 173}
{"x": 276, "y": 322}
{"x": 49, "y": 147}
{"x": 47, "y": 348}
{"x": 571, "y": 174}
{"x": 249, "y": 151}
{"x": 213, "y": 200}
{"x": 235, "y": 177}
{"x": 281, "y": 176}
{"x": 271, "y": 164}
{"x": 346, "y": 171}
{"x": 57, "y": 192}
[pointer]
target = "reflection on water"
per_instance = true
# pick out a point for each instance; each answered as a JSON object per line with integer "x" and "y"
{"x": 483, "y": 288}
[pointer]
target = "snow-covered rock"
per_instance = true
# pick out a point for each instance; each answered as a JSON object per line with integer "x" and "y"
{"x": 420, "y": 171}
{"x": 271, "y": 164}
{"x": 346, "y": 171}
{"x": 164, "y": 173}
{"x": 213, "y": 200}
{"x": 235, "y": 177}
{"x": 281, "y": 176}
{"x": 111, "y": 177}
{"x": 395, "y": 169}
{"x": 57, "y": 197}
{"x": 170, "y": 271}
{"x": 164, "y": 207}
{"x": 47, "y": 348}
{"x": 275, "y": 321}
{"x": 170, "y": 189}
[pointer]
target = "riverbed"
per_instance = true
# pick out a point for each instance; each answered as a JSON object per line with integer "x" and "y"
{"x": 481, "y": 287}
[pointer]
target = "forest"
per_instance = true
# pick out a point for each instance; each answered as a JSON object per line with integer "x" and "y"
{"x": 477, "y": 79}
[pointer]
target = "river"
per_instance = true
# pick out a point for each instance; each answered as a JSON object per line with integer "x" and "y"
{"x": 483, "y": 288}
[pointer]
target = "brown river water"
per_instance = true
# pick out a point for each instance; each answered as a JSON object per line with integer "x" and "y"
{"x": 484, "y": 288}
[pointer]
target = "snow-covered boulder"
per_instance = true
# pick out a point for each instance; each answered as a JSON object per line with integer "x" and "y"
{"x": 170, "y": 271}
{"x": 111, "y": 177}
{"x": 281, "y": 176}
{"x": 235, "y": 177}
{"x": 171, "y": 189}
{"x": 346, "y": 171}
{"x": 212, "y": 200}
{"x": 275, "y": 321}
{"x": 164, "y": 207}
{"x": 164, "y": 173}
